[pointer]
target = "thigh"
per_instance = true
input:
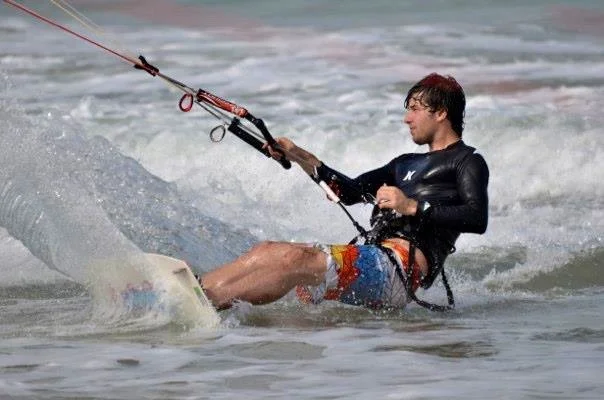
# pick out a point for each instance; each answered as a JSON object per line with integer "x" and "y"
{"x": 364, "y": 275}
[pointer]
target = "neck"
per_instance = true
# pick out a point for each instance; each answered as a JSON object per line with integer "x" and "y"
{"x": 442, "y": 141}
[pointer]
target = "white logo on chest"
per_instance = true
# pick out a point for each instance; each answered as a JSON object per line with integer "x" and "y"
{"x": 409, "y": 176}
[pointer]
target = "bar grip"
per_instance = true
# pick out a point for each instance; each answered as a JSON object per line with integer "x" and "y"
{"x": 236, "y": 129}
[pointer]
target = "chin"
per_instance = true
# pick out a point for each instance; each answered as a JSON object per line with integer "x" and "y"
{"x": 418, "y": 141}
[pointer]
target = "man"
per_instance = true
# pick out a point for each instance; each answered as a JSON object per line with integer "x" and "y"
{"x": 423, "y": 202}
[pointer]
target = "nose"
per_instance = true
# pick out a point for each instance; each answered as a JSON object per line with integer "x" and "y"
{"x": 407, "y": 118}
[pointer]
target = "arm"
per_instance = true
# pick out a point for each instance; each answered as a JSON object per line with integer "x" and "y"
{"x": 305, "y": 159}
{"x": 350, "y": 191}
{"x": 473, "y": 212}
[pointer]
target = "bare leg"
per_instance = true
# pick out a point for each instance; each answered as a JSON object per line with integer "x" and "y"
{"x": 265, "y": 274}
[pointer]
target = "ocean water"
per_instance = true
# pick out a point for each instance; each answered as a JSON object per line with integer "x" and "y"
{"x": 98, "y": 162}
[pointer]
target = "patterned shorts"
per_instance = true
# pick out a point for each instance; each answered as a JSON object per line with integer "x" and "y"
{"x": 362, "y": 275}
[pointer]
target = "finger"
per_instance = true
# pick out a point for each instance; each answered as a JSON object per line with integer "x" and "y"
{"x": 276, "y": 154}
{"x": 385, "y": 204}
{"x": 383, "y": 201}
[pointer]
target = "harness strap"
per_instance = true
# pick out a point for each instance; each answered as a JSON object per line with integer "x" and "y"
{"x": 450, "y": 298}
{"x": 408, "y": 281}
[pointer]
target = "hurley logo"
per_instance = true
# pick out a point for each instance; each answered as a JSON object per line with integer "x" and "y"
{"x": 409, "y": 176}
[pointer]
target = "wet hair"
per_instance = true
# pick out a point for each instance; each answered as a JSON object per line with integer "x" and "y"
{"x": 437, "y": 92}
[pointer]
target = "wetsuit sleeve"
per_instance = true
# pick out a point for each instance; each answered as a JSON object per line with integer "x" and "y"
{"x": 473, "y": 212}
{"x": 352, "y": 191}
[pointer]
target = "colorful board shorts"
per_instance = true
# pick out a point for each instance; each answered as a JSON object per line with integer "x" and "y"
{"x": 363, "y": 275}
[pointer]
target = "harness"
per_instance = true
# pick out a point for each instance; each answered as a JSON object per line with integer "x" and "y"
{"x": 381, "y": 230}
{"x": 409, "y": 284}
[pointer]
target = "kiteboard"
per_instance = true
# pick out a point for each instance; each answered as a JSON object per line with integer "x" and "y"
{"x": 179, "y": 282}
{"x": 156, "y": 284}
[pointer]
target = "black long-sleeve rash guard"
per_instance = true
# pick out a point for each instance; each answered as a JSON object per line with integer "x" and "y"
{"x": 453, "y": 180}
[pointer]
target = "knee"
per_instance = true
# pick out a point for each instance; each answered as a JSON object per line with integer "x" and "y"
{"x": 265, "y": 250}
{"x": 290, "y": 254}
{"x": 263, "y": 247}
{"x": 277, "y": 250}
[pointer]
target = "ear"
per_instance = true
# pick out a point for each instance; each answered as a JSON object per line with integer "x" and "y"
{"x": 440, "y": 115}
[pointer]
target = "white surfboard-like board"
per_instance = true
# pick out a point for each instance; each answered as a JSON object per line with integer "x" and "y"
{"x": 179, "y": 282}
{"x": 155, "y": 283}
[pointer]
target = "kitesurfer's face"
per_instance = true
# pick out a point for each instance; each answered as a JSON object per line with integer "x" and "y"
{"x": 423, "y": 123}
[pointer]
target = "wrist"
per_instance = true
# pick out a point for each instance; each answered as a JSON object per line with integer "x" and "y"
{"x": 408, "y": 207}
{"x": 412, "y": 207}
